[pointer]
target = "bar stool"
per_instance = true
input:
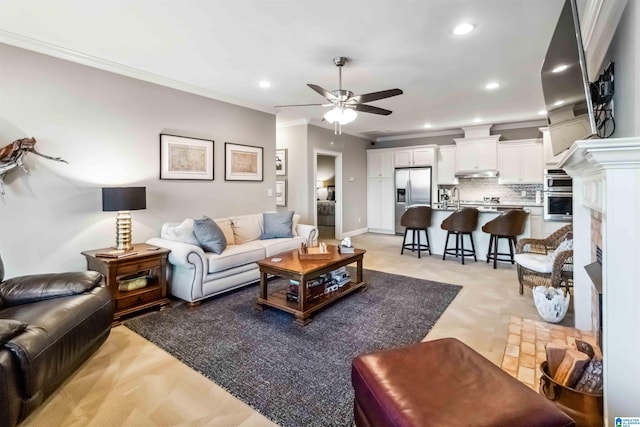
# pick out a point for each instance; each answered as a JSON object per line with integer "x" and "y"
{"x": 506, "y": 226}
{"x": 416, "y": 219}
{"x": 462, "y": 222}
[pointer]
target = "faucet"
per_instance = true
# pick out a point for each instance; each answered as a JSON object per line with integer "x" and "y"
{"x": 455, "y": 190}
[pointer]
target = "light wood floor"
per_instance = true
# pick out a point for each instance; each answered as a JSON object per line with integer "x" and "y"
{"x": 131, "y": 382}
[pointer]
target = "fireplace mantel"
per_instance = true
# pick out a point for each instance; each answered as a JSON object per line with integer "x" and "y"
{"x": 606, "y": 180}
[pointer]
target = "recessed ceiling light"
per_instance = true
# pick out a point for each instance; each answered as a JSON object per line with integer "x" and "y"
{"x": 264, "y": 84}
{"x": 558, "y": 103}
{"x": 560, "y": 68}
{"x": 477, "y": 120}
{"x": 428, "y": 126}
{"x": 542, "y": 112}
{"x": 492, "y": 85}
{"x": 463, "y": 29}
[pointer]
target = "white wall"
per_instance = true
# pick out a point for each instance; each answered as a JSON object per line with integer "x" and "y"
{"x": 107, "y": 127}
{"x": 625, "y": 52}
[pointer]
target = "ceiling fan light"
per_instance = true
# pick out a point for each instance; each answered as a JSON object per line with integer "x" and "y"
{"x": 333, "y": 115}
{"x": 340, "y": 115}
{"x": 348, "y": 115}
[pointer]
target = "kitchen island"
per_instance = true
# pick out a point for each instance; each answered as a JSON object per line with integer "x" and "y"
{"x": 438, "y": 236}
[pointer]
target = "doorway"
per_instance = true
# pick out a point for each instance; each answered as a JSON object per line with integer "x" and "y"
{"x": 328, "y": 194}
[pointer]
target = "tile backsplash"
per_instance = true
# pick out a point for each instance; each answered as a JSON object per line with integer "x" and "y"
{"x": 478, "y": 188}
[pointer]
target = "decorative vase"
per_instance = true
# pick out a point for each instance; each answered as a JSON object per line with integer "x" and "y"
{"x": 552, "y": 303}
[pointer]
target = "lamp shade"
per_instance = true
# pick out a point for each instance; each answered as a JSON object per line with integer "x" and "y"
{"x": 123, "y": 199}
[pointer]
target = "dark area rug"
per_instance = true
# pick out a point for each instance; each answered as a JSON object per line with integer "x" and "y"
{"x": 296, "y": 376}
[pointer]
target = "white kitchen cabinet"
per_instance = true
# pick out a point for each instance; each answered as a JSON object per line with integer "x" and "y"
{"x": 380, "y": 163}
{"x": 476, "y": 154}
{"x": 380, "y": 205}
{"x": 536, "y": 223}
{"x": 419, "y": 156}
{"x": 520, "y": 162}
{"x": 447, "y": 165}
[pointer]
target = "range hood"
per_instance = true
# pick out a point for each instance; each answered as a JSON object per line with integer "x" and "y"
{"x": 477, "y": 174}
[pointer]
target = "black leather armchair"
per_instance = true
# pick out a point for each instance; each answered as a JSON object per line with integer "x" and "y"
{"x": 49, "y": 325}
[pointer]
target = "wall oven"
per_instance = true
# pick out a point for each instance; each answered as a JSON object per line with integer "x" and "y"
{"x": 558, "y": 206}
{"x": 557, "y": 180}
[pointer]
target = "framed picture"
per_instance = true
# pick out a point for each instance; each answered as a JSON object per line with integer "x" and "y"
{"x": 242, "y": 162}
{"x": 281, "y": 192}
{"x": 185, "y": 158}
{"x": 281, "y": 162}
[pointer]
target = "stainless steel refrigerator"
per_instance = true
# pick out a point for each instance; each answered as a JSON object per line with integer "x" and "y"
{"x": 412, "y": 187}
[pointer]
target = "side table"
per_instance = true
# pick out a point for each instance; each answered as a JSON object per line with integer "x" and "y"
{"x": 146, "y": 262}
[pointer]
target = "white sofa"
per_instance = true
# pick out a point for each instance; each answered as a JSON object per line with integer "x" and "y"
{"x": 195, "y": 274}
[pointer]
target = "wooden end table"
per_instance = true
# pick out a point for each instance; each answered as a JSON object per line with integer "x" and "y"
{"x": 146, "y": 261}
{"x": 291, "y": 266}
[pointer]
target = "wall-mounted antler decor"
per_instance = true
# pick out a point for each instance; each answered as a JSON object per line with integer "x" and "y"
{"x": 12, "y": 155}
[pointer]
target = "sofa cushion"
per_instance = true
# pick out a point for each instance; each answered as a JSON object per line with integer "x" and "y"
{"x": 277, "y": 225}
{"x": 235, "y": 255}
{"x": 275, "y": 246}
{"x": 209, "y": 235}
{"x": 182, "y": 232}
{"x": 246, "y": 228}
{"x": 536, "y": 262}
{"x": 9, "y": 328}
{"x": 225, "y": 226}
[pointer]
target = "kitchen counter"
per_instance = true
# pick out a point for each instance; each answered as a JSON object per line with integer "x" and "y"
{"x": 438, "y": 236}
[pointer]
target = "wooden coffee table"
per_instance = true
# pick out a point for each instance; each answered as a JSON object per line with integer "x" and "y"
{"x": 291, "y": 266}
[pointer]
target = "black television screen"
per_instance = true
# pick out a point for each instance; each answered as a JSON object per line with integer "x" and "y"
{"x": 565, "y": 83}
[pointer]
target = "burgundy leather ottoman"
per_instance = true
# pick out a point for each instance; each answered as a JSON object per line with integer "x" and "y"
{"x": 444, "y": 383}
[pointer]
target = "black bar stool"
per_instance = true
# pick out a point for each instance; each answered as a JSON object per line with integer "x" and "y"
{"x": 462, "y": 222}
{"x": 506, "y": 226}
{"x": 416, "y": 219}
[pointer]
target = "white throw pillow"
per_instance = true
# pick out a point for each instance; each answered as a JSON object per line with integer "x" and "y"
{"x": 182, "y": 232}
{"x": 565, "y": 245}
{"x": 294, "y": 228}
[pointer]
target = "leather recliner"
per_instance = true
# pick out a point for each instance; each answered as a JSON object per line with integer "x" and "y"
{"x": 49, "y": 325}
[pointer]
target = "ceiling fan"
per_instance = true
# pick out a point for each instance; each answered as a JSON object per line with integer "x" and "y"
{"x": 345, "y": 103}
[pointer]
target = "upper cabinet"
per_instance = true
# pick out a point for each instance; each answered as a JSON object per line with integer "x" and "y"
{"x": 520, "y": 162}
{"x": 418, "y": 156}
{"x": 380, "y": 163}
{"x": 476, "y": 154}
{"x": 549, "y": 159}
{"x": 447, "y": 165}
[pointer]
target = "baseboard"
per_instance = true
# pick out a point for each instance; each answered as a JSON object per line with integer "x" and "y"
{"x": 354, "y": 232}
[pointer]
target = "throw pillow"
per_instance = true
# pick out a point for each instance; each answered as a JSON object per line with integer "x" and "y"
{"x": 277, "y": 225}
{"x": 209, "y": 235}
{"x": 246, "y": 228}
{"x": 565, "y": 245}
{"x": 9, "y": 328}
{"x": 227, "y": 229}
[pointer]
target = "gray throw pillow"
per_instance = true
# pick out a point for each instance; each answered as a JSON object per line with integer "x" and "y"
{"x": 209, "y": 235}
{"x": 276, "y": 225}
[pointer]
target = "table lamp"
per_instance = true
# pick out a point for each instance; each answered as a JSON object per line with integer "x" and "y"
{"x": 123, "y": 200}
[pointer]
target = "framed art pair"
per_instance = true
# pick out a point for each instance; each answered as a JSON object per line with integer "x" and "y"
{"x": 186, "y": 158}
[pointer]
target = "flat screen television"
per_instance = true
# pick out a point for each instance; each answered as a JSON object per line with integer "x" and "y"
{"x": 565, "y": 84}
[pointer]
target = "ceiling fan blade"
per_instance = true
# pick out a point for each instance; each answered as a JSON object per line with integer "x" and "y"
{"x": 300, "y": 105}
{"x": 374, "y": 96}
{"x": 331, "y": 97}
{"x": 370, "y": 109}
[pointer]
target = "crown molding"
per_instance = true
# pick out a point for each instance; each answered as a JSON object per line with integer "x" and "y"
{"x": 49, "y": 49}
{"x": 598, "y": 26}
{"x": 456, "y": 131}
{"x": 292, "y": 123}
{"x": 520, "y": 125}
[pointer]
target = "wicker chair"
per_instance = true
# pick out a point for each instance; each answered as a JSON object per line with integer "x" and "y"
{"x": 562, "y": 271}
